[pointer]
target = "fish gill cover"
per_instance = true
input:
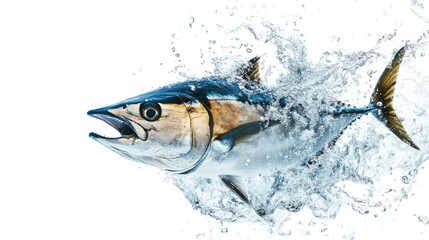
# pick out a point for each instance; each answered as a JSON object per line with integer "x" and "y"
{"x": 341, "y": 58}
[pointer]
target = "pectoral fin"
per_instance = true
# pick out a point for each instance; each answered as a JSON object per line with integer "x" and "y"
{"x": 236, "y": 185}
{"x": 240, "y": 133}
{"x": 243, "y": 133}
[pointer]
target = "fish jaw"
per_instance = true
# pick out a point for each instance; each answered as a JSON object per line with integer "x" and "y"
{"x": 125, "y": 126}
{"x": 131, "y": 134}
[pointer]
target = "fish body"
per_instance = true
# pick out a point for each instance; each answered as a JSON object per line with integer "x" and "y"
{"x": 215, "y": 127}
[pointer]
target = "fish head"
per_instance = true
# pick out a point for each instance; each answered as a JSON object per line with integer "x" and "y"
{"x": 168, "y": 128}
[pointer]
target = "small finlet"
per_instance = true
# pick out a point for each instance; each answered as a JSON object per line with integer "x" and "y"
{"x": 236, "y": 185}
{"x": 382, "y": 99}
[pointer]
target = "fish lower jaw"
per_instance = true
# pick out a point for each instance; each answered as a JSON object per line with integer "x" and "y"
{"x": 94, "y": 135}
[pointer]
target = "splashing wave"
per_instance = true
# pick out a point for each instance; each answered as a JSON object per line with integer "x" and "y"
{"x": 368, "y": 169}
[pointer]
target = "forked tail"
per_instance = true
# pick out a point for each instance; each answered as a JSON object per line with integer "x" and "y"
{"x": 382, "y": 99}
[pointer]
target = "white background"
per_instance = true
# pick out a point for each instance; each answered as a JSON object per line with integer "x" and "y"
{"x": 62, "y": 58}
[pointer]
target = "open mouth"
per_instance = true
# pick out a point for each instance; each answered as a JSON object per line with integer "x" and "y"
{"x": 123, "y": 127}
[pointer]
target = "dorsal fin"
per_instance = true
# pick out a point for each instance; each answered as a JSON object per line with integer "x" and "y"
{"x": 251, "y": 72}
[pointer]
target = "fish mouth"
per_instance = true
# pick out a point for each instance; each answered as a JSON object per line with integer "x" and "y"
{"x": 125, "y": 128}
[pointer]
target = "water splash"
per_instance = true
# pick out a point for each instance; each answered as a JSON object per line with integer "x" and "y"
{"x": 424, "y": 220}
{"x": 368, "y": 168}
{"x": 421, "y": 9}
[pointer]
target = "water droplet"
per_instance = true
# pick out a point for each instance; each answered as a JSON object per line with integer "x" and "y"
{"x": 418, "y": 8}
{"x": 423, "y": 219}
{"x": 422, "y": 54}
{"x": 405, "y": 179}
{"x": 248, "y": 50}
{"x": 379, "y": 104}
{"x": 212, "y": 41}
{"x": 177, "y": 55}
{"x": 231, "y": 14}
{"x": 191, "y": 21}
{"x": 192, "y": 87}
{"x": 173, "y": 49}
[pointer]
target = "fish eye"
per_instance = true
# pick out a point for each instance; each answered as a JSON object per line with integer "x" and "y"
{"x": 150, "y": 111}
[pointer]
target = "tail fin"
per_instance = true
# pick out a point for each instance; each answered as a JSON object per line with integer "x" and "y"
{"x": 382, "y": 99}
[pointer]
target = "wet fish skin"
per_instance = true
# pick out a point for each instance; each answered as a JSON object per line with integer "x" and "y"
{"x": 216, "y": 127}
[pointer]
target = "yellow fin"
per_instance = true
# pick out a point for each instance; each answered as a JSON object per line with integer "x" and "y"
{"x": 251, "y": 72}
{"x": 382, "y": 98}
